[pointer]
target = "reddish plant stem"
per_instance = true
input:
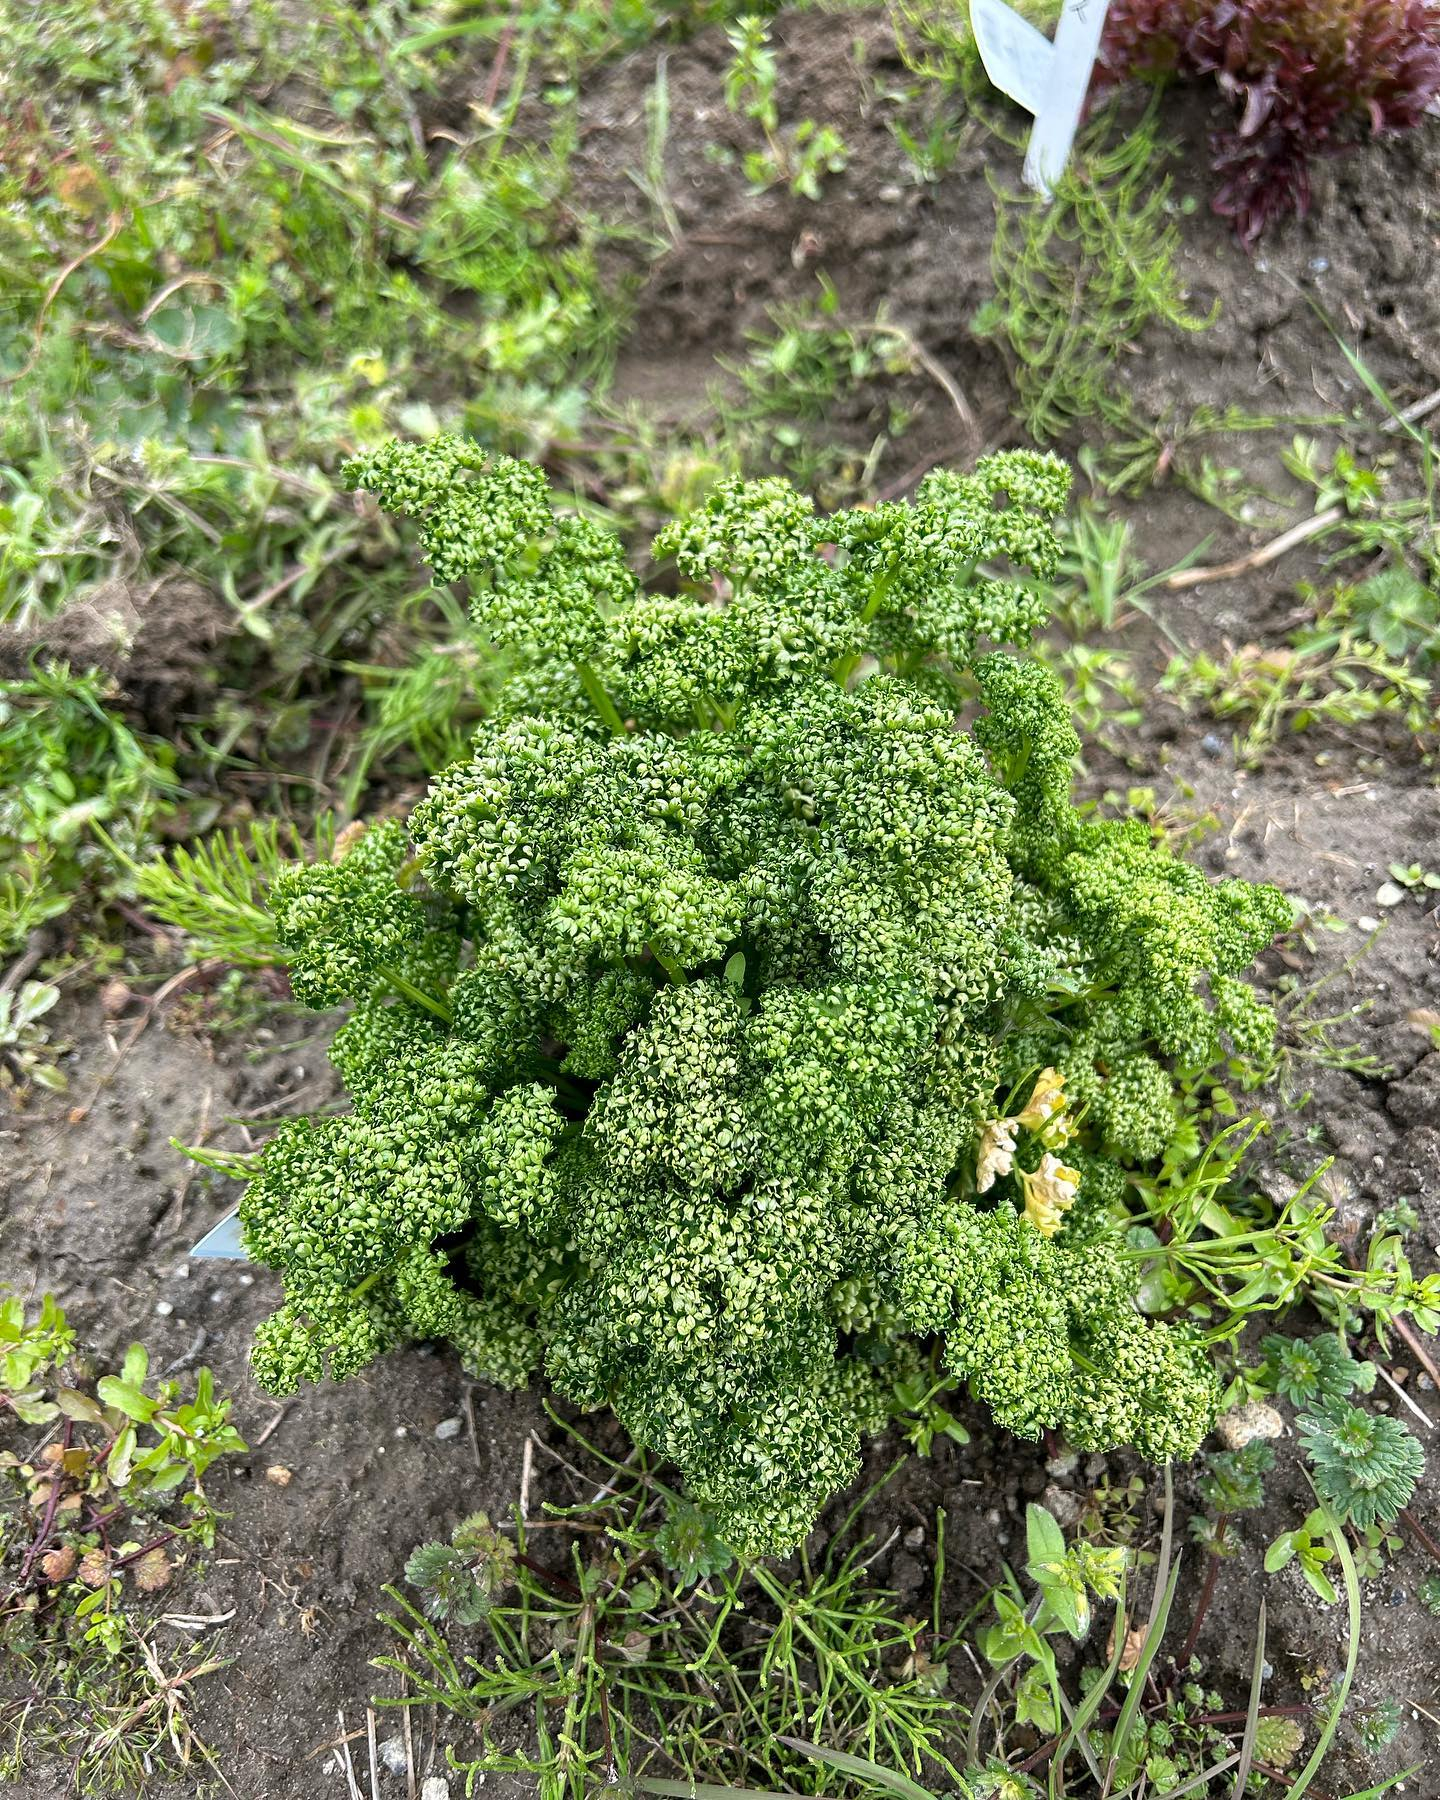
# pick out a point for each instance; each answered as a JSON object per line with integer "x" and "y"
{"x": 156, "y": 1543}
{"x": 52, "y": 1506}
{"x": 1265, "y": 1712}
{"x": 557, "y": 1582}
{"x": 1207, "y": 1594}
{"x": 502, "y": 56}
{"x": 1418, "y": 1532}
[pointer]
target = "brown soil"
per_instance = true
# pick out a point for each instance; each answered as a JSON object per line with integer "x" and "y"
{"x": 101, "y": 1209}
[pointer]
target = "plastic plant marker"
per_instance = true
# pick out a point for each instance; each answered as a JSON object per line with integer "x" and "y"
{"x": 223, "y": 1241}
{"x": 1048, "y": 79}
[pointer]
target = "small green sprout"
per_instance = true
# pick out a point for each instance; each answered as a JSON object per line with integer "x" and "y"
{"x": 688, "y": 1545}
{"x": 1303, "y": 1370}
{"x": 1308, "y": 1543}
{"x": 461, "y": 1581}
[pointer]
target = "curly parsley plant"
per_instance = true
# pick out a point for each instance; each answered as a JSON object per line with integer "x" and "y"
{"x": 732, "y": 1016}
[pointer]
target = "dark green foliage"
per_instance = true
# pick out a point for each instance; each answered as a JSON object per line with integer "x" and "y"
{"x": 1302, "y": 1370}
{"x": 688, "y": 1545}
{"x": 1234, "y": 1480}
{"x": 1378, "y": 1726}
{"x": 685, "y": 1013}
{"x": 461, "y": 1580}
{"x": 1365, "y": 1464}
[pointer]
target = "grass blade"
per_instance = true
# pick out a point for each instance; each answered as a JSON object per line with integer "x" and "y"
{"x": 1333, "y": 1531}
{"x": 1154, "y": 1636}
{"x": 845, "y": 1764}
{"x": 1252, "y": 1710}
{"x": 704, "y": 1790}
{"x": 1388, "y": 1785}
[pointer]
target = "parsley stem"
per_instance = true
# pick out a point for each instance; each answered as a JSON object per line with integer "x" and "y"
{"x": 882, "y": 587}
{"x": 669, "y": 964}
{"x": 411, "y": 992}
{"x": 599, "y": 698}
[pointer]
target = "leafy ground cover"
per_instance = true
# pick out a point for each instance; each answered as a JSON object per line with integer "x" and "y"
{"x": 649, "y": 249}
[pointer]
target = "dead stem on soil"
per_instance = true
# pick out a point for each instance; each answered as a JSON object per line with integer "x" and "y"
{"x": 1300, "y": 532}
{"x": 527, "y": 1465}
{"x": 78, "y": 1114}
{"x": 274, "y": 1425}
{"x": 468, "y": 1401}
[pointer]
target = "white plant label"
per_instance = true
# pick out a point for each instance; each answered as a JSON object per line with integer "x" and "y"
{"x": 1048, "y": 79}
{"x": 224, "y": 1241}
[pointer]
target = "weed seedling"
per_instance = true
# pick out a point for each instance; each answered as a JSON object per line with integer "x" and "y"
{"x": 802, "y": 155}
{"x": 101, "y": 1487}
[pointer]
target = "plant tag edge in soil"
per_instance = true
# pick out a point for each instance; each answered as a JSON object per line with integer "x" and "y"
{"x": 223, "y": 1241}
{"x": 1048, "y": 79}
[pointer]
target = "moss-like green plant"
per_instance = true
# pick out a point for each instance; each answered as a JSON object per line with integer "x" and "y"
{"x": 731, "y": 1015}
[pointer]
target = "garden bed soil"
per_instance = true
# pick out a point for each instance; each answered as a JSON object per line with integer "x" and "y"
{"x": 101, "y": 1210}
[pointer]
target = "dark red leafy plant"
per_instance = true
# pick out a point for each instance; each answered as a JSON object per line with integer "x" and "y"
{"x": 1306, "y": 78}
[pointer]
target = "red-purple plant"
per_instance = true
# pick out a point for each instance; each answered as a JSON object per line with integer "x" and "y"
{"x": 1307, "y": 78}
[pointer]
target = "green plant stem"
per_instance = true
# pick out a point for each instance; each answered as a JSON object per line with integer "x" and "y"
{"x": 599, "y": 698}
{"x": 882, "y": 587}
{"x": 420, "y": 998}
{"x": 992, "y": 1687}
{"x": 668, "y": 964}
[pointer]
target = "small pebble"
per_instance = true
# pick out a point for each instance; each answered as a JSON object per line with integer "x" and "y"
{"x": 216, "y": 1296}
{"x": 164, "y": 1308}
{"x": 401, "y": 1431}
{"x": 1063, "y": 1465}
{"x": 279, "y": 1476}
{"x": 1212, "y": 745}
{"x": 114, "y": 998}
{"x": 435, "y": 1787}
{"x": 392, "y": 1754}
{"x": 1065, "y": 1506}
{"x": 1397, "y": 1596}
{"x": 247, "y": 1281}
{"x": 1242, "y": 1425}
{"x": 448, "y": 1428}
{"x": 915, "y": 1537}
{"x": 181, "y": 1271}
{"x": 1319, "y": 264}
